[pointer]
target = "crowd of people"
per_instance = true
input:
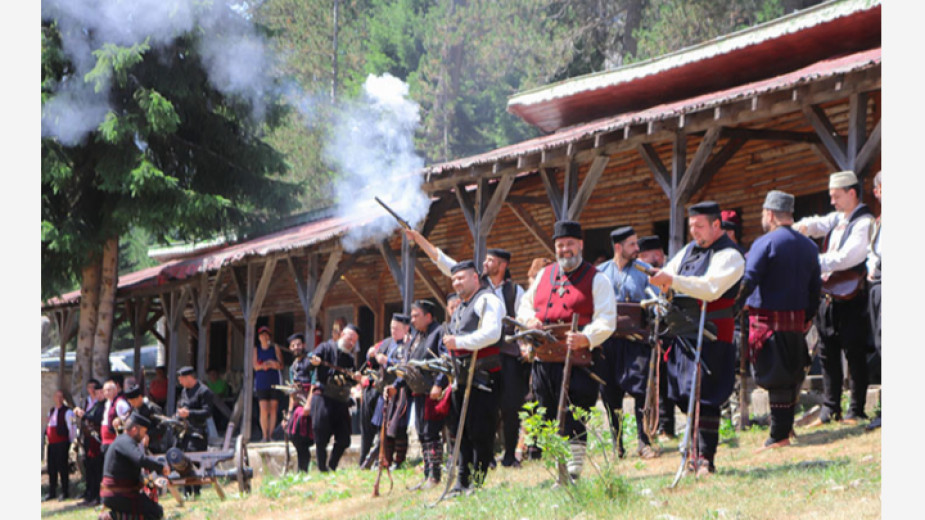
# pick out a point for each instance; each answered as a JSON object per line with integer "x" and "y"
{"x": 593, "y": 316}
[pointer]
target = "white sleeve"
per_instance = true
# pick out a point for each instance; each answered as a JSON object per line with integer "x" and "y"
{"x": 490, "y": 310}
{"x": 852, "y": 253}
{"x": 818, "y": 225}
{"x": 123, "y": 408}
{"x": 725, "y": 269}
{"x": 518, "y": 295}
{"x": 525, "y": 307}
{"x": 444, "y": 262}
{"x": 71, "y": 427}
{"x": 604, "y": 320}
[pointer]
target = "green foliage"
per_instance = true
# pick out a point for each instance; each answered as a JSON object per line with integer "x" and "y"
{"x": 669, "y": 25}
{"x": 544, "y": 434}
{"x": 174, "y": 156}
{"x": 276, "y": 487}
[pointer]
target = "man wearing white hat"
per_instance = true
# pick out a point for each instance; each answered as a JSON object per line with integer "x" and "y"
{"x": 841, "y": 319}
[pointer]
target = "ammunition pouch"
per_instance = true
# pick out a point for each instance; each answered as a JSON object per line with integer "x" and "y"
{"x": 338, "y": 388}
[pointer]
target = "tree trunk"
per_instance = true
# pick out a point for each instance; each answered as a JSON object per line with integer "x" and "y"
{"x": 109, "y": 278}
{"x": 89, "y": 303}
{"x": 633, "y": 19}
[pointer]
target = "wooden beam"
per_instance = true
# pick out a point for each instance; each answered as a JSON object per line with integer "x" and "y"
{"x": 870, "y": 148}
{"x": 754, "y": 134}
{"x": 569, "y": 185}
{"x": 548, "y": 176}
{"x": 676, "y": 210}
{"x": 659, "y": 172}
{"x": 487, "y": 219}
{"x": 325, "y": 280}
{"x": 467, "y": 206}
{"x": 532, "y": 226}
{"x": 716, "y": 162}
{"x": 695, "y": 169}
{"x": 431, "y": 284}
{"x": 857, "y": 129}
{"x": 230, "y": 317}
{"x": 390, "y": 261}
{"x": 437, "y": 210}
{"x": 829, "y": 137}
{"x": 360, "y": 294}
{"x": 587, "y": 186}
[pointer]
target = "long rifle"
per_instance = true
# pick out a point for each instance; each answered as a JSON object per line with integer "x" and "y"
{"x": 564, "y": 477}
{"x": 650, "y": 411}
{"x": 404, "y": 223}
{"x": 454, "y": 457}
{"x": 743, "y": 372}
{"x": 383, "y": 463}
{"x": 688, "y": 442}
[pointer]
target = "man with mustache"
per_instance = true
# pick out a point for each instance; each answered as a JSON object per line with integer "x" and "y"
{"x": 569, "y": 286}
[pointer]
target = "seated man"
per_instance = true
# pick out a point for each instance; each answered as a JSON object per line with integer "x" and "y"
{"x": 122, "y": 467}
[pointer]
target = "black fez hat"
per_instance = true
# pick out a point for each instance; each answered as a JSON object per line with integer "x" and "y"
{"x": 140, "y": 420}
{"x": 426, "y": 306}
{"x": 650, "y": 243}
{"x": 297, "y": 335}
{"x": 503, "y": 254}
{"x": 465, "y": 264}
{"x": 354, "y": 328}
{"x": 621, "y": 233}
{"x": 401, "y": 318}
{"x": 567, "y": 228}
{"x": 186, "y": 371}
{"x": 707, "y": 207}
{"x": 95, "y": 383}
{"x": 132, "y": 392}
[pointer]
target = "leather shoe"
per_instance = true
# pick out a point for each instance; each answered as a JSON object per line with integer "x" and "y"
{"x": 771, "y": 444}
{"x": 874, "y": 424}
{"x": 646, "y": 452}
{"x": 47, "y": 497}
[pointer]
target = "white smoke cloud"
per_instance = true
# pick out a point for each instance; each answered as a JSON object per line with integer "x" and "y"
{"x": 235, "y": 55}
{"x": 372, "y": 145}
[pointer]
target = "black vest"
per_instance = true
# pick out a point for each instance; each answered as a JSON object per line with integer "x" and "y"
{"x": 61, "y": 425}
{"x": 859, "y": 212}
{"x": 466, "y": 320}
{"x": 696, "y": 260}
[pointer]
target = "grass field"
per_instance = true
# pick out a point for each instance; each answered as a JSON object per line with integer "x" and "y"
{"x": 833, "y": 472}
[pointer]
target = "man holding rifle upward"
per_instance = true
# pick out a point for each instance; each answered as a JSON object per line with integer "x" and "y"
{"x": 569, "y": 286}
{"x": 708, "y": 269}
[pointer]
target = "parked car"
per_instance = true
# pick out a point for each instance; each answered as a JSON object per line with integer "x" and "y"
{"x": 120, "y": 361}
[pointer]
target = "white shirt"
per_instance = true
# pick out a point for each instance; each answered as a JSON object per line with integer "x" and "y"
{"x": 68, "y": 418}
{"x": 445, "y": 264}
{"x": 726, "y": 268}
{"x": 853, "y": 252}
{"x": 490, "y": 310}
{"x": 873, "y": 251}
{"x": 603, "y": 321}
{"x": 122, "y": 409}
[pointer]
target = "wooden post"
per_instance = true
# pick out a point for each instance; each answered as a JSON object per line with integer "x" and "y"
{"x": 173, "y": 304}
{"x": 251, "y": 294}
{"x": 204, "y": 301}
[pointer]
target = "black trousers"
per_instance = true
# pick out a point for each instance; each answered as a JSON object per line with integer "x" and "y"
{"x": 624, "y": 366}
{"x": 478, "y": 432}
{"x": 843, "y": 328}
{"x": 780, "y": 368}
{"x": 515, "y": 378}
{"x": 57, "y": 468}
{"x": 140, "y": 506}
{"x": 194, "y": 443}
{"x": 666, "y": 406}
{"x": 303, "y": 450}
{"x": 368, "y": 430}
{"x": 582, "y": 392}
{"x": 330, "y": 418}
{"x": 94, "y": 475}
{"x": 873, "y": 310}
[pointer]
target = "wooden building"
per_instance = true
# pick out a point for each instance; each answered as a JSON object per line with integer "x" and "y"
{"x": 777, "y": 106}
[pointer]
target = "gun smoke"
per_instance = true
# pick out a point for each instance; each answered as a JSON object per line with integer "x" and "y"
{"x": 372, "y": 146}
{"x": 233, "y": 53}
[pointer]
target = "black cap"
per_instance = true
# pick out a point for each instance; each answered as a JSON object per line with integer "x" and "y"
{"x": 354, "y": 328}
{"x": 621, "y": 233}
{"x": 503, "y": 254}
{"x": 297, "y": 335}
{"x": 140, "y": 420}
{"x": 132, "y": 392}
{"x": 186, "y": 371}
{"x": 425, "y": 306}
{"x": 95, "y": 383}
{"x": 650, "y": 243}
{"x": 465, "y": 264}
{"x": 707, "y": 207}
{"x": 567, "y": 228}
